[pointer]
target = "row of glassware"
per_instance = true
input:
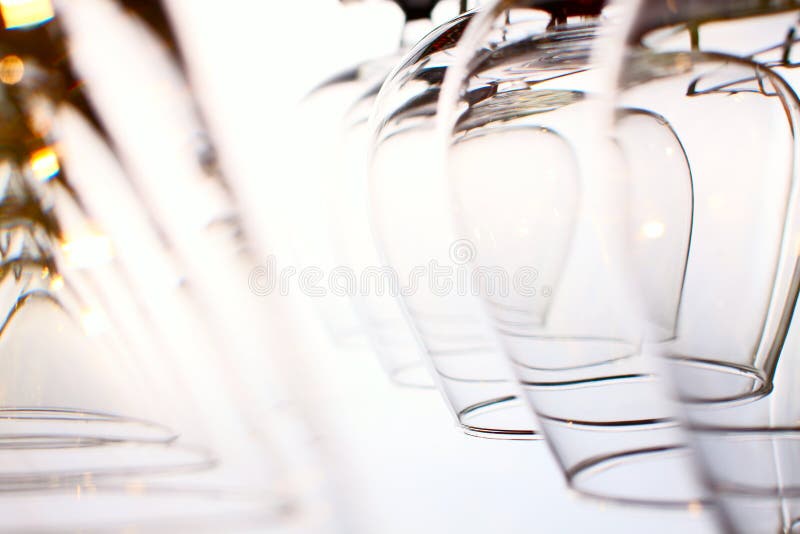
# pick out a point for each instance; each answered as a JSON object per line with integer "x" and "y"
{"x": 143, "y": 386}
{"x": 579, "y": 221}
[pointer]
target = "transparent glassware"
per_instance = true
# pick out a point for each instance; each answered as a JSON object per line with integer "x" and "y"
{"x": 319, "y": 228}
{"x": 334, "y": 223}
{"x": 205, "y": 237}
{"x": 329, "y": 230}
{"x": 359, "y": 273}
{"x": 722, "y": 76}
{"x": 126, "y": 403}
{"x": 214, "y": 378}
{"x": 408, "y": 207}
{"x": 371, "y": 286}
{"x": 536, "y": 190}
{"x": 316, "y": 227}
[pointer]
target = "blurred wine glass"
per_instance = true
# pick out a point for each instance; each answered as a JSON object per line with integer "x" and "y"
{"x": 95, "y": 400}
{"x": 335, "y": 221}
{"x": 409, "y": 211}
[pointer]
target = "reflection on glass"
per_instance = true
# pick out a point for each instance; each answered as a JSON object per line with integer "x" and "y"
{"x": 25, "y": 13}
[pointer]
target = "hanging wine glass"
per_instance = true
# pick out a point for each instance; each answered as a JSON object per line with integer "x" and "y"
{"x": 412, "y": 228}
{"x": 315, "y": 224}
{"x": 722, "y": 78}
{"x": 206, "y": 237}
{"x": 359, "y": 265}
{"x": 536, "y": 190}
{"x": 340, "y": 202}
{"x": 109, "y": 417}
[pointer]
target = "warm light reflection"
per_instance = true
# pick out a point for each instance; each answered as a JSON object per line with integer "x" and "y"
{"x": 12, "y": 69}
{"x": 652, "y": 229}
{"x": 56, "y": 283}
{"x": 40, "y": 116}
{"x": 23, "y": 13}
{"x": 695, "y": 508}
{"x": 94, "y": 321}
{"x": 88, "y": 250}
{"x": 44, "y": 163}
{"x": 135, "y": 488}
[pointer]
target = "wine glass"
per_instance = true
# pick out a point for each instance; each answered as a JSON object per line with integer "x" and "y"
{"x": 408, "y": 205}
{"x": 361, "y": 270}
{"x": 722, "y": 78}
{"x": 123, "y": 404}
{"x": 538, "y": 190}
{"x": 331, "y": 230}
{"x": 315, "y": 226}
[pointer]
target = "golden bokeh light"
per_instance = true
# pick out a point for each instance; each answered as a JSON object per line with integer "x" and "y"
{"x": 695, "y": 508}
{"x": 56, "y": 283}
{"x": 12, "y": 69}
{"x": 25, "y": 13}
{"x": 44, "y": 163}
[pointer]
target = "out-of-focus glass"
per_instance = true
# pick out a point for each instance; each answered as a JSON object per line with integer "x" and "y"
{"x": 358, "y": 272}
{"x": 315, "y": 227}
{"x": 334, "y": 232}
{"x": 360, "y": 302}
{"x": 537, "y": 190}
{"x": 108, "y": 417}
{"x": 412, "y": 225}
{"x": 372, "y": 284}
{"x": 126, "y": 399}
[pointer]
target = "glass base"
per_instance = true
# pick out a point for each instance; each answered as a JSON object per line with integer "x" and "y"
{"x": 47, "y": 467}
{"x": 760, "y": 463}
{"x": 32, "y": 427}
{"x": 136, "y": 506}
{"x": 702, "y": 381}
{"x": 412, "y": 375}
{"x": 47, "y": 448}
{"x": 500, "y": 418}
{"x": 658, "y": 476}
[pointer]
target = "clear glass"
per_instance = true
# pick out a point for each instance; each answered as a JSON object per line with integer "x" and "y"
{"x": 315, "y": 227}
{"x": 722, "y": 77}
{"x": 125, "y": 402}
{"x": 412, "y": 226}
{"x": 332, "y": 231}
{"x": 374, "y": 284}
{"x": 537, "y": 190}
{"x": 358, "y": 272}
